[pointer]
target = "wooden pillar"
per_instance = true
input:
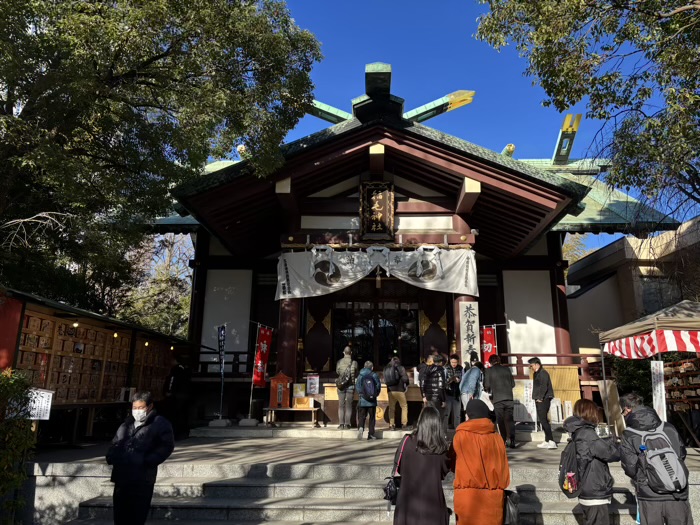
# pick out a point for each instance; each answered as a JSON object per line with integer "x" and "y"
{"x": 200, "y": 266}
{"x": 463, "y": 346}
{"x": 290, "y": 317}
{"x": 559, "y": 306}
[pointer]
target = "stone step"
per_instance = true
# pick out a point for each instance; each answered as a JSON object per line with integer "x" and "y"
{"x": 327, "y": 510}
{"x": 108, "y": 521}
{"x": 259, "y": 488}
{"x": 561, "y": 513}
{"x": 308, "y": 432}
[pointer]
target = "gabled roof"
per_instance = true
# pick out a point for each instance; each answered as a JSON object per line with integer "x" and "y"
{"x": 510, "y": 203}
{"x": 222, "y": 172}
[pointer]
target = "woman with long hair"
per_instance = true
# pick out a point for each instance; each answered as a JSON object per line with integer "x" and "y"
{"x": 593, "y": 454}
{"x": 481, "y": 468}
{"x": 423, "y": 466}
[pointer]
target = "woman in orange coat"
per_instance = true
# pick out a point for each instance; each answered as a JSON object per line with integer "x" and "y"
{"x": 481, "y": 468}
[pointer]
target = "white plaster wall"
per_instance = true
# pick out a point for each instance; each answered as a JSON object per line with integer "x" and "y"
{"x": 227, "y": 301}
{"x": 599, "y": 308}
{"x": 528, "y": 301}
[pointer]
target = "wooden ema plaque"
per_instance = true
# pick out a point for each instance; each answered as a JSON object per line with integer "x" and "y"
{"x": 280, "y": 390}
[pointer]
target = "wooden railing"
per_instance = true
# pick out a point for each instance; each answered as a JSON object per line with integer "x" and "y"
{"x": 588, "y": 371}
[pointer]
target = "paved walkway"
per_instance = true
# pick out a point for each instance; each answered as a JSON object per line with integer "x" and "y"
{"x": 306, "y": 450}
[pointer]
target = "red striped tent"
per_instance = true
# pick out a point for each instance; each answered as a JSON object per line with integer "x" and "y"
{"x": 673, "y": 329}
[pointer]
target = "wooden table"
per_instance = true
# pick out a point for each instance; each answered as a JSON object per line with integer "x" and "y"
{"x": 271, "y": 413}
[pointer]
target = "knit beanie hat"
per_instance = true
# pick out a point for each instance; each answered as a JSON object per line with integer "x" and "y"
{"x": 477, "y": 409}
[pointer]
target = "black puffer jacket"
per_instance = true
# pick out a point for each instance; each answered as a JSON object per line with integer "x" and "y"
{"x": 136, "y": 452}
{"x": 596, "y": 452}
{"x": 645, "y": 418}
{"x": 433, "y": 384}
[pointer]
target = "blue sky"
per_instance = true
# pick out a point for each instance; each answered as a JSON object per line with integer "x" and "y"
{"x": 431, "y": 48}
{"x": 432, "y": 51}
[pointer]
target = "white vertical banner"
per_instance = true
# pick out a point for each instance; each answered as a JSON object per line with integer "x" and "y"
{"x": 469, "y": 329}
{"x": 658, "y": 388}
{"x": 528, "y": 403}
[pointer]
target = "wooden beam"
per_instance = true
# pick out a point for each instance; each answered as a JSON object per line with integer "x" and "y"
{"x": 468, "y": 193}
{"x": 406, "y": 239}
{"x": 286, "y": 198}
{"x": 460, "y": 225}
{"x": 376, "y": 159}
{"x": 346, "y": 206}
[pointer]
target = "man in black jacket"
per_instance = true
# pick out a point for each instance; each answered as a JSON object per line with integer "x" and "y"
{"x": 654, "y": 508}
{"x": 500, "y": 383}
{"x": 143, "y": 441}
{"x": 432, "y": 385}
{"x": 542, "y": 393}
{"x": 453, "y": 404}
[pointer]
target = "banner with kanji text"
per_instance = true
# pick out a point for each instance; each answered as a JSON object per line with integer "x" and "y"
{"x": 262, "y": 353}
{"x": 489, "y": 345}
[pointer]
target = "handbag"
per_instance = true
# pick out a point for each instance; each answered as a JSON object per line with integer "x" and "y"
{"x": 391, "y": 489}
{"x": 511, "y": 513}
{"x": 343, "y": 380}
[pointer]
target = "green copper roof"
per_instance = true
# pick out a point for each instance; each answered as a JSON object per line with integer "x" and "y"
{"x": 612, "y": 211}
{"x": 231, "y": 171}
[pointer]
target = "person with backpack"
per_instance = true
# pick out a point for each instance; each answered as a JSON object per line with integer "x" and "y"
{"x": 453, "y": 405}
{"x": 346, "y": 369}
{"x": 396, "y": 381}
{"x": 480, "y": 464}
{"x": 594, "y": 484}
{"x": 472, "y": 381}
{"x": 653, "y": 455}
{"x": 368, "y": 389}
{"x": 423, "y": 465}
{"x": 432, "y": 385}
{"x": 542, "y": 393}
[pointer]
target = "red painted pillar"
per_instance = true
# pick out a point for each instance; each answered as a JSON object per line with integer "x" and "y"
{"x": 560, "y": 309}
{"x": 10, "y": 326}
{"x": 290, "y": 317}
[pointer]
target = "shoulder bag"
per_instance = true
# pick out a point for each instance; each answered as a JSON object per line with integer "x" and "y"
{"x": 391, "y": 490}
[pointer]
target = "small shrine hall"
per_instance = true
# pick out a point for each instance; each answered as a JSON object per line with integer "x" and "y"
{"x": 393, "y": 235}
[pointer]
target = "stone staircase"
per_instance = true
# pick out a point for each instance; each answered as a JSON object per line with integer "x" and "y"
{"x": 308, "y": 494}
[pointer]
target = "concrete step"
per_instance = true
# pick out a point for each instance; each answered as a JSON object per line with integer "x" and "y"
{"x": 562, "y": 513}
{"x": 241, "y": 510}
{"x": 97, "y": 521}
{"x": 332, "y": 432}
{"x": 326, "y": 510}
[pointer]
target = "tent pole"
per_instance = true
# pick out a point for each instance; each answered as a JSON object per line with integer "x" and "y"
{"x": 604, "y": 393}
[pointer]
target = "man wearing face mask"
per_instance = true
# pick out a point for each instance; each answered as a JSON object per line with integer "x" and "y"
{"x": 143, "y": 441}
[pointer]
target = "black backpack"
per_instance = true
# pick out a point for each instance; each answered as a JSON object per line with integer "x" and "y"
{"x": 392, "y": 376}
{"x": 570, "y": 479}
{"x": 368, "y": 388}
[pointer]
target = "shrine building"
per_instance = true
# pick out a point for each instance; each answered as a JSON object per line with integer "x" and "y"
{"x": 391, "y": 234}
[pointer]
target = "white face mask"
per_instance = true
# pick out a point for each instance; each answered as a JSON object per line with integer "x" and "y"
{"x": 139, "y": 415}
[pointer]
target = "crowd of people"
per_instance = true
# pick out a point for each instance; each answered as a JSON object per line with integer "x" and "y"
{"x": 651, "y": 451}
{"x": 479, "y": 404}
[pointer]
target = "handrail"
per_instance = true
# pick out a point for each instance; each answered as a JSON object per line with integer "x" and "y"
{"x": 583, "y": 364}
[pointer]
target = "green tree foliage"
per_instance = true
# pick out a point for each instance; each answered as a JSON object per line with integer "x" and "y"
{"x": 16, "y": 439}
{"x": 104, "y": 106}
{"x": 634, "y": 63}
{"x": 162, "y": 301}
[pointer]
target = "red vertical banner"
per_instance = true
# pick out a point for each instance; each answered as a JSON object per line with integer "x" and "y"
{"x": 488, "y": 344}
{"x": 262, "y": 352}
